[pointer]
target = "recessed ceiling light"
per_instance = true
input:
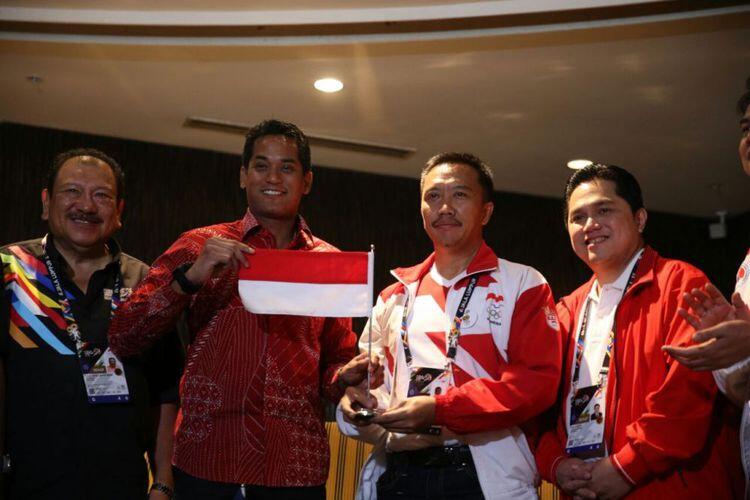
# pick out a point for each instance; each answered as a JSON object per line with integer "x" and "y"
{"x": 328, "y": 85}
{"x": 579, "y": 164}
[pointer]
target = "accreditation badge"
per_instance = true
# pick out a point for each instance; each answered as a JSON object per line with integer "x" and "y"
{"x": 425, "y": 381}
{"x": 586, "y": 430}
{"x": 103, "y": 374}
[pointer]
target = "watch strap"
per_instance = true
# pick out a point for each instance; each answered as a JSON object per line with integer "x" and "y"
{"x": 185, "y": 284}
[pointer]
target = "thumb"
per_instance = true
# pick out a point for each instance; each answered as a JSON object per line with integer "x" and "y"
{"x": 707, "y": 334}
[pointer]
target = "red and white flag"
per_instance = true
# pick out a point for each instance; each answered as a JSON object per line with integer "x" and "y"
{"x": 298, "y": 283}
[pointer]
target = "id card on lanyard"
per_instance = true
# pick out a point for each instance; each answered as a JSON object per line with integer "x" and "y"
{"x": 103, "y": 372}
{"x": 433, "y": 381}
{"x": 588, "y": 405}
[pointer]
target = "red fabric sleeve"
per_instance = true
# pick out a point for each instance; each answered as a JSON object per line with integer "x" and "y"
{"x": 551, "y": 447}
{"x": 153, "y": 308}
{"x": 528, "y": 383}
{"x": 676, "y": 422}
{"x": 337, "y": 347}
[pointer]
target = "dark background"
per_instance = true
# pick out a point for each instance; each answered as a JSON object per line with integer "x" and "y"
{"x": 171, "y": 189}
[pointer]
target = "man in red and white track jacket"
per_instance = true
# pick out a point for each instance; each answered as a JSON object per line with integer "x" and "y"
{"x": 458, "y": 432}
{"x": 663, "y": 435}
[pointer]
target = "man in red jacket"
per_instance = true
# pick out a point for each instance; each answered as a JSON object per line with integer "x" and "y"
{"x": 662, "y": 433}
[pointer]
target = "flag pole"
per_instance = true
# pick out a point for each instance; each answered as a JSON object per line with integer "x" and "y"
{"x": 363, "y": 413}
{"x": 369, "y": 330}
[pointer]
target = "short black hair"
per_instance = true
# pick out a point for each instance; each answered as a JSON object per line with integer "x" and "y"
{"x": 483, "y": 170}
{"x": 744, "y": 100}
{"x": 60, "y": 160}
{"x": 626, "y": 186}
{"x": 278, "y": 127}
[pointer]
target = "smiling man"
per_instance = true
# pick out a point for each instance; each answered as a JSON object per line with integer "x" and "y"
{"x": 251, "y": 415}
{"x": 662, "y": 435}
{"x": 79, "y": 419}
{"x": 472, "y": 356}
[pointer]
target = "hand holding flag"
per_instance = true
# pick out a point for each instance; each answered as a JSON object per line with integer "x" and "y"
{"x": 359, "y": 368}
{"x": 217, "y": 254}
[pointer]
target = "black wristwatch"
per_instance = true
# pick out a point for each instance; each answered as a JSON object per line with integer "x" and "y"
{"x": 186, "y": 285}
{"x": 163, "y": 488}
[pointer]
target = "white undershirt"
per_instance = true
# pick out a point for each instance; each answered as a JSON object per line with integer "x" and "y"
{"x": 601, "y": 319}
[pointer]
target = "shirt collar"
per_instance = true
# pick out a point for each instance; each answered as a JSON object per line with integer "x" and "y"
{"x": 303, "y": 237}
{"x": 57, "y": 258}
{"x": 622, "y": 280}
{"x": 484, "y": 260}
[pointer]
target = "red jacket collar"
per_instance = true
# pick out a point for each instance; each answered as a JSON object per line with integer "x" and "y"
{"x": 485, "y": 260}
{"x": 644, "y": 274}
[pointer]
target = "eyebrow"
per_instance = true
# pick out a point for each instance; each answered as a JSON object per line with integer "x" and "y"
{"x": 108, "y": 187}
{"x": 596, "y": 204}
{"x": 744, "y": 121}
{"x": 460, "y": 186}
{"x": 289, "y": 159}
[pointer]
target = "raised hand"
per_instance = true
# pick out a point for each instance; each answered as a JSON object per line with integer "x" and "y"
{"x": 706, "y": 307}
{"x": 218, "y": 254}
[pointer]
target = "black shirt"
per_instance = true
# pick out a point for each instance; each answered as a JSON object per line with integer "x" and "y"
{"x": 62, "y": 446}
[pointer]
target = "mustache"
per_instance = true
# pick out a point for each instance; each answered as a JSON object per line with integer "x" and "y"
{"x": 85, "y": 217}
{"x": 445, "y": 219}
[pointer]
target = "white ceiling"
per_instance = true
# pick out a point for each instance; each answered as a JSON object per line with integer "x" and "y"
{"x": 652, "y": 92}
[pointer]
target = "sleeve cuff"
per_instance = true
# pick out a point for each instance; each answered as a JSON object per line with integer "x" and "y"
{"x": 632, "y": 467}
{"x": 553, "y": 468}
{"x": 337, "y": 384}
{"x": 172, "y": 295}
{"x": 721, "y": 376}
{"x": 442, "y": 401}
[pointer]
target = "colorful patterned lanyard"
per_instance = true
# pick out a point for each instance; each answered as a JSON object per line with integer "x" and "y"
{"x": 455, "y": 332}
{"x": 610, "y": 343}
{"x": 73, "y": 330}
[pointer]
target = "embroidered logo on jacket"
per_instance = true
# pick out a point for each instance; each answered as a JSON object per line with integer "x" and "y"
{"x": 494, "y": 309}
{"x": 551, "y": 316}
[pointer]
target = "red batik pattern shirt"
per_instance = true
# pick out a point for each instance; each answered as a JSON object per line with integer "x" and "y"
{"x": 251, "y": 408}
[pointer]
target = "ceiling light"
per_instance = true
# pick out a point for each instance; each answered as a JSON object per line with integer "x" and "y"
{"x": 328, "y": 85}
{"x": 579, "y": 164}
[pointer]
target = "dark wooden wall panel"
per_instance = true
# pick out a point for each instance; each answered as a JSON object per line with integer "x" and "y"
{"x": 171, "y": 189}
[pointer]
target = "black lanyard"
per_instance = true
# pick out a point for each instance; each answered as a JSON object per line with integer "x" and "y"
{"x": 580, "y": 343}
{"x": 455, "y": 332}
{"x": 73, "y": 330}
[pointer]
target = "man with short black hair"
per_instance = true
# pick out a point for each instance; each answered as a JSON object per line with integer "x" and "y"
{"x": 471, "y": 349}
{"x": 251, "y": 415}
{"x": 79, "y": 419}
{"x": 662, "y": 435}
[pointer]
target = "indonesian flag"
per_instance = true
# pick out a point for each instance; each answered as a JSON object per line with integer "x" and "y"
{"x": 298, "y": 283}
